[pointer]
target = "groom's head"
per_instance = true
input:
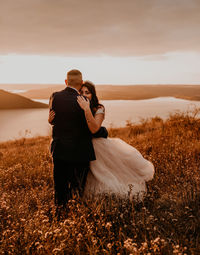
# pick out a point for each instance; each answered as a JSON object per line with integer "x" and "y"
{"x": 74, "y": 79}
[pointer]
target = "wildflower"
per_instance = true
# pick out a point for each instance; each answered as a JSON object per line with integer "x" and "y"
{"x": 56, "y": 231}
{"x": 45, "y": 221}
{"x": 109, "y": 245}
{"x": 56, "y": 250}
{"x": 157, "y": 240}
{"x": 47, "y": 234}
{"x": 39, "y": 247}
{"x": 145, "y": 245}
{"x": 80, "y": 235}
{"x": 134, "y": 249}
{"x": 129, "y": 240}
{"x": 94, "y": 241}
{"x": 129, "y": 245}
{"x": 151, "y": 217}
{"x": 108, "y": 224}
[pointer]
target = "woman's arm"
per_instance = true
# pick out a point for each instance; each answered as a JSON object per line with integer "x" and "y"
{"x": 94, "y": 122}
{"x": 51, "y": 109}
{"x": 51, "y": 117}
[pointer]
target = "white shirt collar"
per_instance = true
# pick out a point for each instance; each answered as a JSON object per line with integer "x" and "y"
{"x": 74, "y": 89}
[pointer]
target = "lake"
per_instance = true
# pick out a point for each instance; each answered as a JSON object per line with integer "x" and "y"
{"x": 20, "y": 123}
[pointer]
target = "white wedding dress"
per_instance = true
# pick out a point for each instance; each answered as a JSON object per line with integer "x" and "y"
{"x": 119, "y": 168}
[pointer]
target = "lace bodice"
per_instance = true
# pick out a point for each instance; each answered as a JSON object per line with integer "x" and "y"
{"x": 100, "y": 110}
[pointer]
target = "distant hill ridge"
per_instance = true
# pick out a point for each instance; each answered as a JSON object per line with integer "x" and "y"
{"x": 135, "y": 92}
{"x": 13, "y": 101}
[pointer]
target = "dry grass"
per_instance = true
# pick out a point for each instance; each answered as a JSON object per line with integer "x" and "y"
{"x": 166, "y": 222}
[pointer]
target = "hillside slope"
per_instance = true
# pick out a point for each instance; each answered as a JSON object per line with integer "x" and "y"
{"x": 166, "y": 222}
{"x": 13, "y": 101}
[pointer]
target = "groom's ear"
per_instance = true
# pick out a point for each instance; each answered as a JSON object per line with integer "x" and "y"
{"x": 66, "y": 81}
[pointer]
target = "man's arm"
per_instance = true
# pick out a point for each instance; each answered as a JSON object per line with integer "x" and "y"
{"x": 102, "y": 132}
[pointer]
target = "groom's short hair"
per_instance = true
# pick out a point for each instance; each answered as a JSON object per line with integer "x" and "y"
{"x": 74, "y": 77}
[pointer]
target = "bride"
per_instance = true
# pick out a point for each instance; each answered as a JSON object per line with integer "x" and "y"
{"x": 119, "y": 168}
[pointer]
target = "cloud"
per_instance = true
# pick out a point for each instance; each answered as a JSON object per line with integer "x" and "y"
{"x": 93, "y": 27}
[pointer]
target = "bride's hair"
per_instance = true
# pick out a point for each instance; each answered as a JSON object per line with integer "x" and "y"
{"x": 94, "y": 103}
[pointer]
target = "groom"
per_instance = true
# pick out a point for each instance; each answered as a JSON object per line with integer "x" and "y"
{"x": 71, "y": 148}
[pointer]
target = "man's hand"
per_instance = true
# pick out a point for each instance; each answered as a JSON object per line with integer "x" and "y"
{"x": 51, "y": 116}
{"x": 83, "y": 102}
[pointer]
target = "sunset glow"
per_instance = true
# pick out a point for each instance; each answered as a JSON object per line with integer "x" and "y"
{"x": 111, "y": 42}
{"x": 171, "y": 68}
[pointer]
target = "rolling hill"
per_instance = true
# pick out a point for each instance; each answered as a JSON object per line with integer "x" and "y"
{"x": 134, "y": 92}
{"x": 13, "y": 101}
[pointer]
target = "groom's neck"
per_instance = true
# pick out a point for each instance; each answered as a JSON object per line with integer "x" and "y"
{"x": 73, "y": 87}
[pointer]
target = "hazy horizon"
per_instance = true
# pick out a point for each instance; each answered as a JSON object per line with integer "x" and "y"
{"x": 106, "y": 84}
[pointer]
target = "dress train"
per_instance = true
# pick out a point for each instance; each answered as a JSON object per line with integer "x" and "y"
{"x": 119, "y": 168}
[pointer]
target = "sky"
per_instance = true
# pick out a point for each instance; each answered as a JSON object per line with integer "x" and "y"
{"x": 110, "y": 41}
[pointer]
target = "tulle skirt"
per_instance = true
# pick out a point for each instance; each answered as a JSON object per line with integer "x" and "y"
{"x": 119, "y": 168}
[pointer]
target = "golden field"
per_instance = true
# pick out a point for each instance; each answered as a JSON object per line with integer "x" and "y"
{"x": 166, "y": 222}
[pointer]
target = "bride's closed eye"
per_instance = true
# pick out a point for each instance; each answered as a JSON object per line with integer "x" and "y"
{"x": 85, "y": 92}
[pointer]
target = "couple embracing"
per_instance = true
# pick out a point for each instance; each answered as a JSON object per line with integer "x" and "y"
{"x": 85, "y": 160}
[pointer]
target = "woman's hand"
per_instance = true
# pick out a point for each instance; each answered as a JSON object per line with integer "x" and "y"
{"x": 83, "y": 102}
{"x": 51, "y": 116}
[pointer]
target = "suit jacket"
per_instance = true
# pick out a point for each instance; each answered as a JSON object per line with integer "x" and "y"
{"x": 72, "y": 139}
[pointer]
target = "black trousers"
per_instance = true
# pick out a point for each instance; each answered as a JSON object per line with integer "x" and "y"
{"x": 69, "y": 179}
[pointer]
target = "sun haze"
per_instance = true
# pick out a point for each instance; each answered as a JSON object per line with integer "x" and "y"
{"x": 112, "y": 41}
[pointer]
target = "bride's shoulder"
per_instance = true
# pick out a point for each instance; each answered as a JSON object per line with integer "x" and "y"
{"x": 100, "y": 109}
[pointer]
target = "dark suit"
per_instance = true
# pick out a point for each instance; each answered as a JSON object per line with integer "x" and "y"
{"x": 71, "y": 148}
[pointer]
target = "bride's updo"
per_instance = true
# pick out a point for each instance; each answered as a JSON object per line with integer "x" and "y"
{"x": 94, "y": 102}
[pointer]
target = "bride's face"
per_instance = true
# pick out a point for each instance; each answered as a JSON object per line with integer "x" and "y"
{"x": 85, "y": 92}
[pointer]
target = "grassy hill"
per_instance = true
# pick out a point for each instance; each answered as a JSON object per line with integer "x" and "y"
{"x": 166, "y": 222}
{"x": 109, "y": 92}
{"x": 12, "y": 101}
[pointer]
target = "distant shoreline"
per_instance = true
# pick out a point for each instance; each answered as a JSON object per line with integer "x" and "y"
{"x": 136, "y": 92}
{"x": 115, "y": 92}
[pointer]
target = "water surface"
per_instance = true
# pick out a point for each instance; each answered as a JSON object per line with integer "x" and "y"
{"x": 33, "y": 122}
